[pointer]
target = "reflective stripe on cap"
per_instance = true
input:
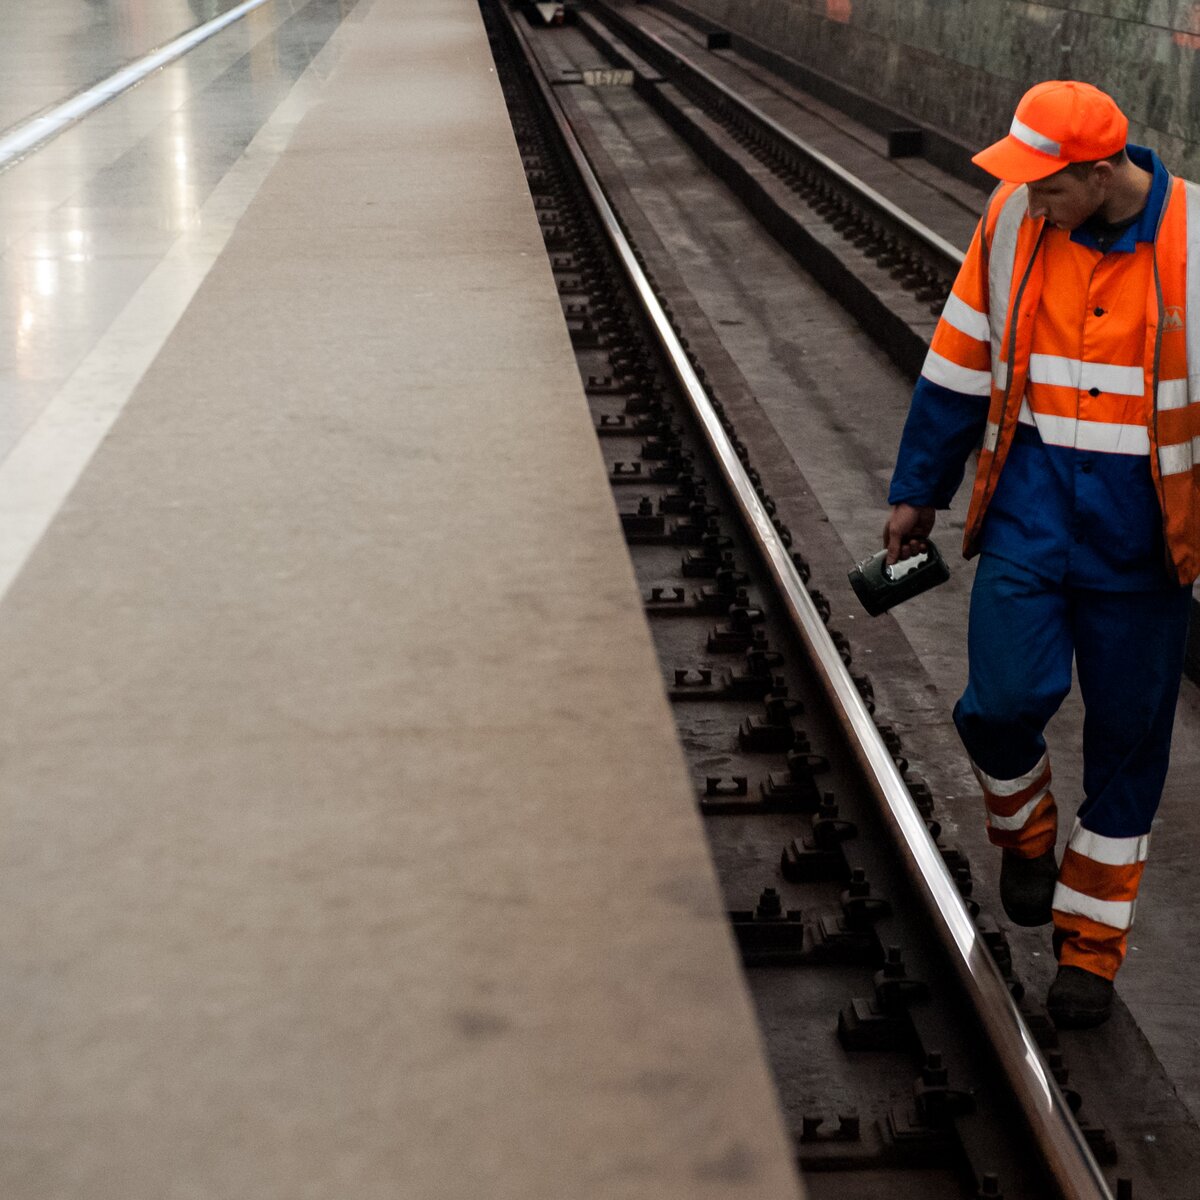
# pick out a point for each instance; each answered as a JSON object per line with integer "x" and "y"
{"x": 1035, "y": 140}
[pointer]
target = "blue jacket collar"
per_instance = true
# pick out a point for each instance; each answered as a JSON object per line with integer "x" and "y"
{"x": 1146, "y": 226}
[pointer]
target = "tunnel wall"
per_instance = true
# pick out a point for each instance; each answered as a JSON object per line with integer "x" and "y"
{"x": 959, "y": 66}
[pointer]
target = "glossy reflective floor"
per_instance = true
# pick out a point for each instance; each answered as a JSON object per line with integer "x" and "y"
{"x": 122, "y": 214}
{"x": 50, "y": 51}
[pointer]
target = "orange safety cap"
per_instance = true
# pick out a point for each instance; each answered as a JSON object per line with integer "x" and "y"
{"x": 1057, "y": 122}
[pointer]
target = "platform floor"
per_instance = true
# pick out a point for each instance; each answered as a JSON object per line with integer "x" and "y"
{"x": 58, "y": 48}
{"x": 348, "y": 850}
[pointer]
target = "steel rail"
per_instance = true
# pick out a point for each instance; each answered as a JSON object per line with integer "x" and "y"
{"x": 882, "y": 208}
{"x": 1062, "y": 1145}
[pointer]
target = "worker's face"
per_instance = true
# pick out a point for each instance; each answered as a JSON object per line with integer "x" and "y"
{"x": 1067, "y": 199}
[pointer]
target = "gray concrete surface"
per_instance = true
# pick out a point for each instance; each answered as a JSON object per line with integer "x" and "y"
{"x": 347, "y": 848}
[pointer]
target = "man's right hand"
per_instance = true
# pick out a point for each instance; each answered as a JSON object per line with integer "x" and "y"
{"x": 906, "y": 530}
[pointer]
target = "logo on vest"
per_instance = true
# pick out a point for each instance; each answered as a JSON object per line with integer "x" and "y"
{"x": 1172, "y": 321}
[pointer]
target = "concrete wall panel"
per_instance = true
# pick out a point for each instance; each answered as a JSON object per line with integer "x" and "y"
{"x": 959, "y": 66}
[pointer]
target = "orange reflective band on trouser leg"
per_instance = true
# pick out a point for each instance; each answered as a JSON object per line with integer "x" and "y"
{"x": 1021, "y": 813}
{"x": 1088, "y": 945}
{"x": 1095, "y": 899}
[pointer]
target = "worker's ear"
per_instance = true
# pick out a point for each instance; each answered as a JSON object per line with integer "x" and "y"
{"x": 1102, "y": 172}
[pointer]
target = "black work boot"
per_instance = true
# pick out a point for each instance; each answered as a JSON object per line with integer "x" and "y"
{"x": 1078, "y": 999}
{"x": 1027, "y": 887}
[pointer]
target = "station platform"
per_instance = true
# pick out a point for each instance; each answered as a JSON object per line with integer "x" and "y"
{"x": 348, "y": 848}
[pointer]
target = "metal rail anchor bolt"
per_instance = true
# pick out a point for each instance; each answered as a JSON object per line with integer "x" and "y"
{"x": 848, "y": 1129}
{"x": 769, "y": 934}
{"x": 989, "y": 1188}
{"x": 937, "y": 1102}
{"x": 860, "y": 908}
{"x": 720, "y": 785}
{"x": 895, "y": 990}
{"x": 881, "y": 1023}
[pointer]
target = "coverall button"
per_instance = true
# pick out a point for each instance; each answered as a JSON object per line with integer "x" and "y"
{"x": 1093, "y": 391}
{"x": 1097, "y": 312}
{"x": 1086, "y": 467}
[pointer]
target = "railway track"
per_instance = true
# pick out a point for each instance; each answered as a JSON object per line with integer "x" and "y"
{"x": 886, "y": 994}
{"x": 890, "y": 270}
{"x": 922, "y": 261}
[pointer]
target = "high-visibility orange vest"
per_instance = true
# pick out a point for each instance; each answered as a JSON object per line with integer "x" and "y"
{"x": 1013, "y": 286}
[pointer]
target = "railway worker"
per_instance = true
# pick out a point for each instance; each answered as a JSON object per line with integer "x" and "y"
{"x": 1064, "y": 352}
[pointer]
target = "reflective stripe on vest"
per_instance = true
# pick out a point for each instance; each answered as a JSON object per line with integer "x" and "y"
{"x": 1192, "y": 300}
{"x": 1176, "y": 401}
{"x": 1175, "y": 458}
{"x": 1001, "y": 262}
